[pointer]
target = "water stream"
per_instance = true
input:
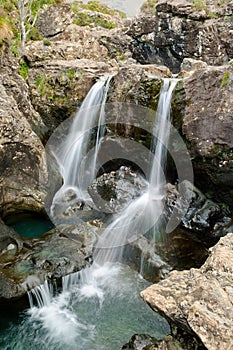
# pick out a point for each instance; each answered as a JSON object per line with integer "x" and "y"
{"x": 99, "y": 308}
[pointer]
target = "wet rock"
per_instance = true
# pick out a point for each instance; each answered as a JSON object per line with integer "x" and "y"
{"x": 62, "y": 251}
{"x": 69, "y": 208}
{"x": 182, "y": 29}
{"x": 156, "y": 256}
{"x": 112, "y": 192}
{"x": 190, "y": 207}
{"x": 9, "y": 238}
{"x": 200, "y": 301}
{"x": 146, "y": 342}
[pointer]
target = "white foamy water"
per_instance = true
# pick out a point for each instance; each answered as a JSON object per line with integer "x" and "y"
{"x": 99, "y": 309}
{"x": 71, "y": 152}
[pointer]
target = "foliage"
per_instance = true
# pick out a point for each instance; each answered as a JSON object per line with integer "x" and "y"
{"x": 23, "y": 70}
{"x": 84, "y": 19}
{"x": 34, "y": 34}
{"x": 225, "y": 79}
{"x": 10, "y": 26}
{"x": 199, "y": 5}
{"x": 46, "y": 42}
{"x": 96, "y": 6}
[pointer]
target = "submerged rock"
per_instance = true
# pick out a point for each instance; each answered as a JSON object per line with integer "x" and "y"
{"x": 200, "y": 301}
{"x": 60, "y": 252}
{"x": 146, "y": 342}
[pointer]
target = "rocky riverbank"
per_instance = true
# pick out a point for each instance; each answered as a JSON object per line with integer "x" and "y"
{"x": 39, "y": 90}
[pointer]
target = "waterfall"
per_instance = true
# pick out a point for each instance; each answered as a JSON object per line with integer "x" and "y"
{"x": 76, "y": 175}
{"x": 144, "y": 212}
{"x": 102, "y": 281}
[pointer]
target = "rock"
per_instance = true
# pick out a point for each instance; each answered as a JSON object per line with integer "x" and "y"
{"x": 182, "y": 29}
{"x": 200, "y": 301}
{"x": 18, "y": 89}
{"x": 146, "y": 342}
{"x": 156, "y": 257}
{"x": 22, "y": 160}
{"x": 189, "y": 64}
{"x": 203, "y": 217}
{"x": 62, "y": 251}
{"x": 208, "y": 126}
{"x": 112, "y": 192}
{"x": 9, "y": 238}
{"x": 62, "y": 17}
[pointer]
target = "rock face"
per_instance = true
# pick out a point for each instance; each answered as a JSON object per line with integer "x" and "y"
{"x": 22, "y": 160}
{"x": 208, "y": 127}
{"x": 181, "y": 29}
{"x": 67, "y": 61}
{"x": 200, "y": 301}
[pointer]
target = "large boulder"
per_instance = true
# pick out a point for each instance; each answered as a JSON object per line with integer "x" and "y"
{"x": 200, "y": 301}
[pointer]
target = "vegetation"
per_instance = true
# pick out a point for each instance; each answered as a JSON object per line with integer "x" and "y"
{"x": 17, "y": 20}
{"x": 84, "y": 19}
{"x": 225, "y": 79}
{"x": 23, "y": 70}
{"x": 96, "y": 6}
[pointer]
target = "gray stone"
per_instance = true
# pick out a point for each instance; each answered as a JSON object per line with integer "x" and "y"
{"x": 200, "y": 301}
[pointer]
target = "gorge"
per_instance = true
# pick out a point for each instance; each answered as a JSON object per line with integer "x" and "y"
{"x": 40, "y": 92}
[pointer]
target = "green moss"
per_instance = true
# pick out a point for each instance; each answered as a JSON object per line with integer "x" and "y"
{"x": 46, "y": 42}
{"x": 213, "y": 15}
{"x": 23, "y": 70}
{"x": 96, "y": 6}
{"x": 199, "y": 5}
{"x": 34, "y": 34}
{"x": 225, "y": 79}
{"x": 84, "y": 19}
{"x": 71, "y": 74}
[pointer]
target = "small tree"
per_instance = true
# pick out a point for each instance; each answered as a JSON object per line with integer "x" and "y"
{"x": 27, "y": 20}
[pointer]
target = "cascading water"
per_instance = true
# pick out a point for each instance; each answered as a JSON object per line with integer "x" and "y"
{"x": 70, "y": 153}
{"x": 144, "y": 212}
{"x": 99, "y": 307}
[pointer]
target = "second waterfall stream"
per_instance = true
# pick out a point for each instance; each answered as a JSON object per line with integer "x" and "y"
{"x": 99, "y": 308}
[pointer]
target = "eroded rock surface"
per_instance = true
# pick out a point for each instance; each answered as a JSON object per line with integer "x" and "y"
{"x": 200, "y": 301}
{"x": 22, "y": 160}
{"x": 62, "y": 251}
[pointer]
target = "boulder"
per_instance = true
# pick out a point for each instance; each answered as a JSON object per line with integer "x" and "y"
{"x": 200, "y": 301}
{"x": 204, "y": 218}
{"x": 112, "y": 192}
